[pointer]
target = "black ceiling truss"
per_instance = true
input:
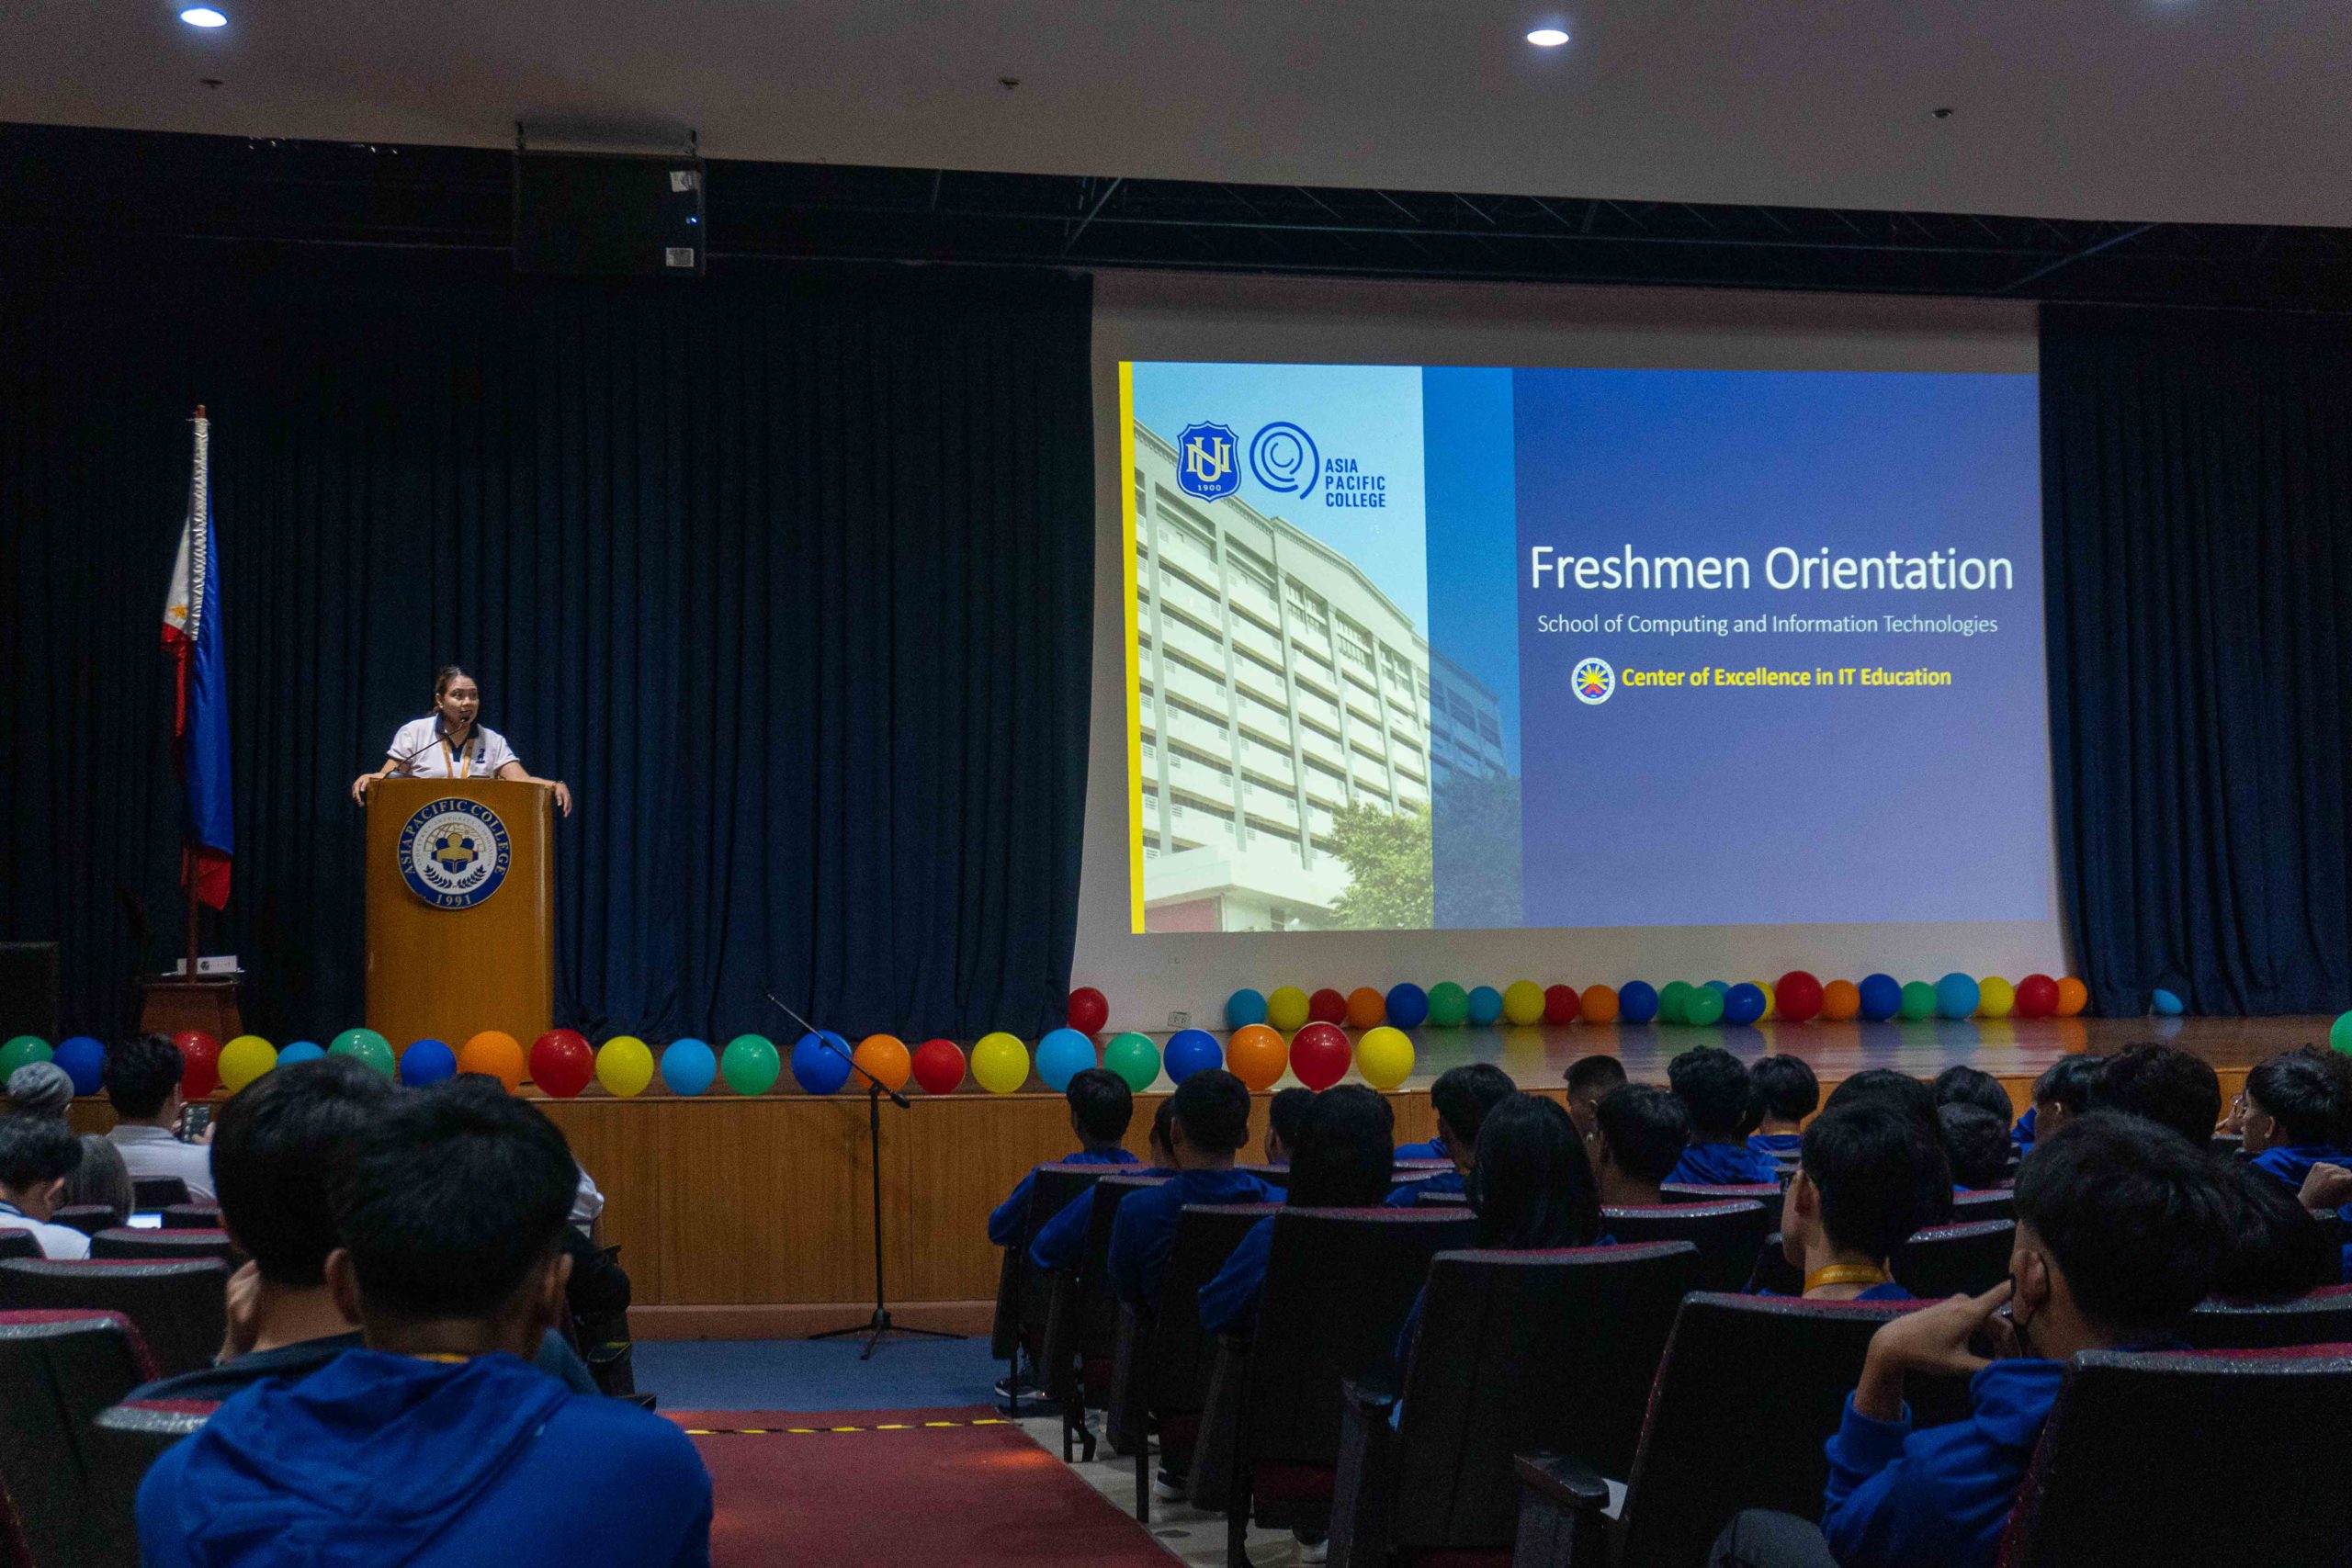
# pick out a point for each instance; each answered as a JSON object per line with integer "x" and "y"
{"x": 131, "y": 184}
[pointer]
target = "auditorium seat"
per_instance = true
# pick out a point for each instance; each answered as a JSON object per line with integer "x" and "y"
{"x": 1946, "y": 1260}
{"x": 1441, "y": 1200}
{"x": 1082, "y": 1318}
{"x": 192, "y": 1217}
{"x": 2321, "y": 1317}
{"x": 124, "y": 1441}
{"x": 59, "y": 1370}
{"x": 1989, "y": 1203}
{"x": 2236, "y": 1477}
{"x": 1769, "y": 1193}
{"x": 1517, "y": 1351}
{"x": 166, "y": 1243}
{"x": 180, "y": 1308}
{"x": 1339, "y": 1284}
{"x": 1726, "y": 1233}
{"x": 1774, "y": 1274}
{"x": 1749, "y": 1389}
{"x": 1159, "y": 1374}
{"x": 1022, "y": 1295}
{"x": 19, "y": 1244}
{"x": 87, "y": 1218}
{"x": 150, "y": 1194}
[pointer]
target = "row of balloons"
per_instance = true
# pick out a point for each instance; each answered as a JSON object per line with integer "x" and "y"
{"x": 1795, "y": 998}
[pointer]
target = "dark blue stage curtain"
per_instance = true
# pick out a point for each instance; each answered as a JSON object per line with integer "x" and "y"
{"x": 2196, "y": 481}
{"x": 788, "y": 574}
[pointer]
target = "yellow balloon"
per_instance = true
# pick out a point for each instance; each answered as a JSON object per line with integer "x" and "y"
{"x": 625, "y": 1066}
{"x": 1000, "y": 1063}
{"x": 1994, "y": 996}
{"x": 244, "y": 1060}
{"x": 1523, "y": 1001}
{"x": 1385, "y": 1057}
{"x": 1286, "y": 1009}
{"x": 1770, "y": 1000}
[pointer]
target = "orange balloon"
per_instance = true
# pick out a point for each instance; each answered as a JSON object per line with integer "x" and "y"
{"x": 1599, "y": 1003}
{"x": 2073, "y": 997}
{"x": 886, "y": 1058}
{"x": 1366, "y": 1006}
{"x": 1841, "y": 999}
{"x": 1257, "y": 1055}
{"x": 497, "y": 1055}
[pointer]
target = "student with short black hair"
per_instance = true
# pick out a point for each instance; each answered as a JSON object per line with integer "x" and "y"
{"x": 1977, "y": 1143}
{"x": 1643, "y": 1132}
{"x": 2296, "y": 1107}
{"x": 142, "y": 1080}
{"x": 2169, "y": 1087}
{"x": 1284, "y": 1113}
{"x": 1901, "y": 1091}
{"x": 1782, "y": 1091}
{"x": 1591, "y": 1080}
{"x": 2277, "y": 1250}
{"x": 436, "y": 1444}
{"x": 1100, "y": 1106}
{"x": 1210, "y": 1123}
{"x": 1867, "y": 1177}
{"x": 1343, "y": 1160}
{"x": 1461, "y": 1096}
{"x": 2121, "y": 1230}
{"x": 1062, "y": 1238}
{"x": 2064, "y": 1089}
{"x": 1961, "y": 1084}
{"x": 36, "y": 1154}
{"x": 1713, "y": 1087}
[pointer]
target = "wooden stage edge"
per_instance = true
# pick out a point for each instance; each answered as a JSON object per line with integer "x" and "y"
{"x": 752, "y": 1217}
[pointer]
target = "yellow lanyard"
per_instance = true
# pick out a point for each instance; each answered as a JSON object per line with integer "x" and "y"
{"x": 459, "y": 761}
{"x": 1846, "y": 1274}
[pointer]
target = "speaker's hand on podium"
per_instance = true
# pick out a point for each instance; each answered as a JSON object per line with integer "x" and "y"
{"x": 360, "y": 788}
{"x": 562, "y": 795}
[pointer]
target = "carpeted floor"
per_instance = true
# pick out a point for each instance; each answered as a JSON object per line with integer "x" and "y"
{"x": 925, "y": 1488}
{"x": 811, "y": 1374}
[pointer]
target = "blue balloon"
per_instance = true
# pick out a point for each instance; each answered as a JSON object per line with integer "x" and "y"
{"x": 817, "y": 1069}
{"x": 688, "y": 1066}
{"x": 1189, "y": 1051}
{"x": 2166, "y": 1004}
{"x": 1062, "y": 1056}
{"x": 1882, "y": 997}
{"x": 1243, "y": 1008}
{"x": 424, "y": 1062}
{"x": 1721, "y": 989}
{"x": 1408, "y": 1005}
{"x": 1637, "y": 1001}
{"x": 84, "y": 1060}
{"x": 1486, "y": 1006}
{"x": 1743, "y": 1003}
{"x": 299, "y": 1051}
{"x": 1957, "y": 996}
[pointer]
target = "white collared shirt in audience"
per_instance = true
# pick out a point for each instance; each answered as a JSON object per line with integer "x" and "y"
{"x": 59, "y": 1242}
{"x": 153, "y": 1151}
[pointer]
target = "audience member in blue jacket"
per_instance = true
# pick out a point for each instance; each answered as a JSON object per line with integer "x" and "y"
{"x": 1062, "y": 1238}
{"x": 2121, "y": 1230}
{"x": 1461, "y": 1096}
{"x": 1211, "y": 1121}
{"x": 1100, "y": 1106}
{"x": 1641, "y": 1134}
{"x": 1868, "y": 1177}
{"x": 1591, "y": 1080}
{"x": 2295, "y": 1116}
{"x": 438, "y": 1445}
{"x": 2063, "y": 1090}
{"x": 1283, "y": 1112}
{"x": 1713, "y": 1087}
{"x": 1977, "y": 1143}
{"x": 1782, "y": 1091}
{"x": 2277, "y": 1249}
{"x": 1341, "y": 1160}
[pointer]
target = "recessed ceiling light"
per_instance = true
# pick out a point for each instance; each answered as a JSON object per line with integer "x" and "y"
{"x": 1548, "y": 38}
{"x": 203, "y": 17}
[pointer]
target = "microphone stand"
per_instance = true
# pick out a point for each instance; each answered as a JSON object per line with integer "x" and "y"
{"x": 879, "y": 1326}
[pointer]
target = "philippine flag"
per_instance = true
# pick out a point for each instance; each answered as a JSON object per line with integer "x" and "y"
{"x": 200, "y": 711}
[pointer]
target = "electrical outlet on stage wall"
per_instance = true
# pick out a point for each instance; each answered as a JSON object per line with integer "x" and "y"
{"x": 1179, "y": 1020}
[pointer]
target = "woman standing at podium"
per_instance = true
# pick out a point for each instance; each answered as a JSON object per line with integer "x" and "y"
{"x": 448, "y": 744}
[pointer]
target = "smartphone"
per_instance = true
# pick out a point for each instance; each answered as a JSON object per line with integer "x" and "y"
{"x": 194, "y": 1118}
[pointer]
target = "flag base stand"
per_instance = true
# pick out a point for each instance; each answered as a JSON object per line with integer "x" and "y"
{"x": 172, "y": 1006}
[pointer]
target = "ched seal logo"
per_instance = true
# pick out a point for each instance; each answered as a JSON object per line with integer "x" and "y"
{"x": 1206, "y": 462}
{"x": 1594, "y": 681}
{"x": 454, "y": 852}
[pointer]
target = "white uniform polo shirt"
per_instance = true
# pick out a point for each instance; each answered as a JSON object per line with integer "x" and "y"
{"x": 429, "y": 755}
{"x": 56, "y": 1242}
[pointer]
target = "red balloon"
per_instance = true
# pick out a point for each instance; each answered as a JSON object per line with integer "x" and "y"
{"x": 939, "y": 1067}
{"x": 1561, "y": 1004}
{"x": 562, "y": 1062}
{"x": 1327, "y": 1006}
{"x": 1320, "y": 1054}
{"x": 201, "y": 1054}
{"x": 1089, "y": 1011}
{"x": 2037, "y": 996}
{"x": 1797, "y": 996}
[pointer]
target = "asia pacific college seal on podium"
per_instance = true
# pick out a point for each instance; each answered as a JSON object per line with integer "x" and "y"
{"x": 454, "y": 852}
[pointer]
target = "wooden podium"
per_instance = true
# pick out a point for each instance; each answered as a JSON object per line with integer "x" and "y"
{"x": 447, "y": 959}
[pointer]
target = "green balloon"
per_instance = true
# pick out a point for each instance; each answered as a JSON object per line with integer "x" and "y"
{"x": 22, "y": 1052}
{"x": 1133, "y": 1058}
{"x": 1918, "y": 1001}
{"x": 367, "y": 1047}
{"x": 1449, "y": 1005}
{"x": 750, "y": 1064}
{"x": 1704, "y": 1007}
{"x": 1674, "y": 1001}
{"x": 2339, "y": 1035}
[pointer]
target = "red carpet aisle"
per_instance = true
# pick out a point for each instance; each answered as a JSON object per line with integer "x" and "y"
{"x": 925, "y": 1488}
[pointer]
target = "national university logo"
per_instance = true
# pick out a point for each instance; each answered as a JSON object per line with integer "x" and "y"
{"x": 454, "y": 852}
{"x": 1206, "y": 464}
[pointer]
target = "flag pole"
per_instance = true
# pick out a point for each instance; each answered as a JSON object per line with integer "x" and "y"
{"x": 187, "y": 863}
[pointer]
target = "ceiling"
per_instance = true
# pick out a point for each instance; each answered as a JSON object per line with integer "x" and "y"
{"x": 2177, "y": 111}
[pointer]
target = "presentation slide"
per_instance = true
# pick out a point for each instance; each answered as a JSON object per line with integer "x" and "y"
{"x": 1487, "y": 648}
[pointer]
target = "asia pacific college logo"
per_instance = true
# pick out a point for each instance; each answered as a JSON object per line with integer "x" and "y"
{"x": 1594, "y": 681}
{"x": 454, "y": 854}
{"x": 1206, "y": 462}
